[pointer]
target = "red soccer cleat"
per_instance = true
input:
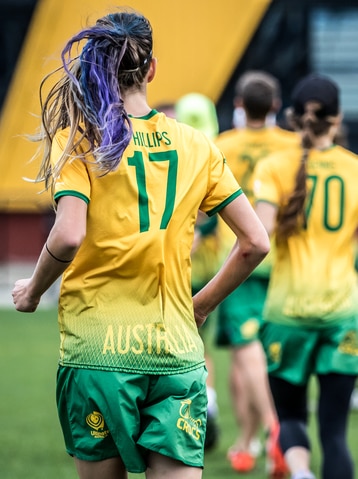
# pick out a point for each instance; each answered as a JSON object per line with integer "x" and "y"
{"x": 242, "y": 461}
{"x": 276, "y": 466}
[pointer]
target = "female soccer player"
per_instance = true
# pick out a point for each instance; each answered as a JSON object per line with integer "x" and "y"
{"x": 128, "y": 183}
{"x": 308, "y": 198}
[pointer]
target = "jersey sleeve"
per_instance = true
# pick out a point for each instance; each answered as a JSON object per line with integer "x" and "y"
{"x": 265, "y": 186}
{"x": 74, "y": 179}
{"x": 222, "y": 185}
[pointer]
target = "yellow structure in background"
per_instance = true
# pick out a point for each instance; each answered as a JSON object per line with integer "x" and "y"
{"x": 198, "y": 44}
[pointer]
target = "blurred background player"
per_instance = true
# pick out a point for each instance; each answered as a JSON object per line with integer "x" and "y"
{"x": 308, "y": 198}
{"x": 240, "y": 315}
{"x": 199, "y": 111}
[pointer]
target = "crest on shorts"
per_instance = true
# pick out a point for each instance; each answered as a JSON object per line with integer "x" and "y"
{"x": 95, "y": 421}
{"x": 186, "y": 422}
{"x": 250, "y": 328}
{"x": 349, "y": 344}
{"x": 274, "y": 352}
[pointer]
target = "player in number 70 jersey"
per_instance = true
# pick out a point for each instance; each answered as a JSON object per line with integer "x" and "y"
{"x": 307, "y": 197}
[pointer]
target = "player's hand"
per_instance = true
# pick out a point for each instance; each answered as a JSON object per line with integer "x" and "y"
{"x": 22, "y": 298}
{"x": 199, "y": 315}
{"x": 200, "y": 320}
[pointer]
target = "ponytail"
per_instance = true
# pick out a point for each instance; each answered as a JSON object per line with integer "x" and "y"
{"x": 291, "y": 218}
{"x": 88, "y": 98}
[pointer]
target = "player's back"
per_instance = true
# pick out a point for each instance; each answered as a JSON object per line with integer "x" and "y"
{"x": 314, "y": 275}
{"x": 134, "y": 263}
{"x": 244, "y": 147}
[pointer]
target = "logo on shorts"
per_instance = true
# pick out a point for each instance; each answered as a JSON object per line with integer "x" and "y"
{"x": 95, "y": 421}
{"x": 274, "y": 352}
{"x": 349, "y": 344}
{"x": 250, "y": 328}
{"x": 187, "y": 423}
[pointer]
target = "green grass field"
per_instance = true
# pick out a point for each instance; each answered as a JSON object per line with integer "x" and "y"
{"x": 31, "y": 443}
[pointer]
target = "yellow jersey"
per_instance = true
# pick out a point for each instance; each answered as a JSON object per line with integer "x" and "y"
{"x": 243, "y": 148}
{"x": 125, "y": 301}
{"x": 313, "y": 280}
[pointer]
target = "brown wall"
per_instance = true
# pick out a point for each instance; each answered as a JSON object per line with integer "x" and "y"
{"x": 22, "y": 235}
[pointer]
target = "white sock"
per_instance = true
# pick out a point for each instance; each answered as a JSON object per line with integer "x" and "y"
{"x": 303, "y": 475}
{"x": 212, "y": 404}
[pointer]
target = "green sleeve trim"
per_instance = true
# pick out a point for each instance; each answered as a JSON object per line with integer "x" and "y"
{"x": 225, "y": 203}
{"x": 71, "y": 193}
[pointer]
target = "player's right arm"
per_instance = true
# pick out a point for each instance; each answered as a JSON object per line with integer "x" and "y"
{"x": 62, "y": 244}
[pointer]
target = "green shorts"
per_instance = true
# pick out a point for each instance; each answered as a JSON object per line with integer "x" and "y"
{"x": 240, "y": 314}
{"x": 107, "y": 414}
{"x": 294, "y": 353}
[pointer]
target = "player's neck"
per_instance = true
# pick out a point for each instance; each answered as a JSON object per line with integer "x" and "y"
{"x": 255, "y": 124}
{"x": 323, "y": 142}
{"x": 136, "y": 104}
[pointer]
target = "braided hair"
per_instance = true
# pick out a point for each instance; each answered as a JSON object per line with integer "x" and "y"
{"x": 292, "y": 217}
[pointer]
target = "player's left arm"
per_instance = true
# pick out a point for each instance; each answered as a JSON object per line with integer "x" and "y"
{"x": 62, "y": 244}
{"x": 251, "y": 247}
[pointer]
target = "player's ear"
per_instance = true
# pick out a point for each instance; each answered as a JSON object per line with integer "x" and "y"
{"x": 276, "y": 105}
{"x": 238, "y": 103}
{"x": 152, "y": 69}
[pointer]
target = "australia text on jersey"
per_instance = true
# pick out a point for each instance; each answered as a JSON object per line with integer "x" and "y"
{"x": 153, "y": 338}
